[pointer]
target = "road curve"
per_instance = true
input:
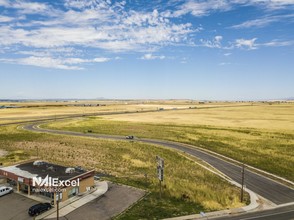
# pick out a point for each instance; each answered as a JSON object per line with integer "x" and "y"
{"x": 263, "y": 186}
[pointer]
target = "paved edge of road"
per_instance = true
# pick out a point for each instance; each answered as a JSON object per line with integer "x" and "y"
{"x": 231, "y": 160}
{"x": 248, "y": 166}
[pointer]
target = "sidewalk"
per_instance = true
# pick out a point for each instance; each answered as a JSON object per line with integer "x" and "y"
{"x": 76, "y": 202}
{"x": 33, "y": 197}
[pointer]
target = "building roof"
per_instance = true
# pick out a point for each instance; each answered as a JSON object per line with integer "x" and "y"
{"x": 29, "y": 170}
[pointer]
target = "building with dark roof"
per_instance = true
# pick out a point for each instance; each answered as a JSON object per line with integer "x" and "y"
{"x": 37, "y": 177}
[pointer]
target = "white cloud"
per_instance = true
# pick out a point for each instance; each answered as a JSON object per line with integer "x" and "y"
{"x": 224, "y": 63}
{"x": 202, "y": 8}
{"x": 262, "y": 22}
{"x": 268, "y": 4}
{"x": 98, "y": 24}
{"x": 215, "y": 43}
{"x": 5, "y": 18}
{"x": 277, "y": 43}
{"x": 55, "y": 63}
{"x": 80, "y": 60}
{"x": 4, "y": 3}
{"x": 104, "y": 25}
{"x": 101, "y": 59}
{"x": 28, "y": 7}
{"x": 47, "y": 62}
{"x": 246, "y": 44}
{"x": 274, "y": 4}
{"x": 82, "y": 4}
{"x": 52, "y": 52}
{"x": 150, "y": 56}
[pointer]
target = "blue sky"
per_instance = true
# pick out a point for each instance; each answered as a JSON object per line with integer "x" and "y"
{"x": 190, "y": 49}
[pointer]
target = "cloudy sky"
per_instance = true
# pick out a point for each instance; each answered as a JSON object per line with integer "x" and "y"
{"x": 214, "y": 49}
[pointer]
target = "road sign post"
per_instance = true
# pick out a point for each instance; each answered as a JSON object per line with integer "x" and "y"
{"x": 57, "y": 204}
{"x": 242, "y": 189}
{"x": 160, "y": 167}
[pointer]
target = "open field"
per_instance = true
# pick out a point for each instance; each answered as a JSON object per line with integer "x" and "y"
{"x": 188, "y": 188}
{"x": 279, "y": 117}
{"x": 26, "y": 111}
{"x": 262, "y": 136}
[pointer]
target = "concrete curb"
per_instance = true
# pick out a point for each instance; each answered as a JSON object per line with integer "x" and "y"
{"x": 240, "y": 163}
{"x": 253, "y": 205}
{"x": 131, "y": 206}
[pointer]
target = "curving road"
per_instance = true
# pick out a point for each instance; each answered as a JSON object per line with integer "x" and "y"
{"x": 263, "y": 186}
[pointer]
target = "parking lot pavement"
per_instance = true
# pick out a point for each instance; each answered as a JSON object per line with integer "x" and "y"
{"x": 15, "y": 207}
{"x": 117, "y": 199}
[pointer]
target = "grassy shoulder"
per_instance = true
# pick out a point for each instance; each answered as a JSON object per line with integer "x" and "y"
{"x": 187, "y": 188}
{"x": 271, "y": 151}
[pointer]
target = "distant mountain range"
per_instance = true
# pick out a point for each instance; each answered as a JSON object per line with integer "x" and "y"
{"x": 102, "y": 98}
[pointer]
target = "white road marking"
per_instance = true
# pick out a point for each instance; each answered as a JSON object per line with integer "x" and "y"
{"x": 256, "y": 217}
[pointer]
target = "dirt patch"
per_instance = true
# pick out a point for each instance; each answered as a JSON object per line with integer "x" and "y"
{"x": 3, "y": 153}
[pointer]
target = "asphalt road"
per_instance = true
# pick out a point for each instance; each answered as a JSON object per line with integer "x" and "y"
{"x": 282, "y": 213}
{"x": 265, "y": 187}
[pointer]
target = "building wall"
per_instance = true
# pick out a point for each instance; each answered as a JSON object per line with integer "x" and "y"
{"x": 88, "y": 182}
{"x": 3, "y": 180}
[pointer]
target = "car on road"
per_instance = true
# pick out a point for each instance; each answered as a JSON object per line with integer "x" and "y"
{"x": 96, "y": 177}
{"x": 39, "y": 208}
{"x": 5, "y": 190}
{"x": 130, "y": 137}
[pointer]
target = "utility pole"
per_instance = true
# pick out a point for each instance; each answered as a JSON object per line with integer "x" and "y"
{"x": 57, "y": 203}
{"x": 242, "y": 189}
{"x": 57, "y": 197}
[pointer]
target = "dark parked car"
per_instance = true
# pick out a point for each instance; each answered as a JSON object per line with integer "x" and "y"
{"x": 39, "y": 208}
{"x": 130, "y": 137}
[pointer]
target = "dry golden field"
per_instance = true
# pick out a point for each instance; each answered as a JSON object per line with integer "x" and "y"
{"x": 261, "y": 135}
{"x": 277, "y": 117}
{"x": 35, "y": 110}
